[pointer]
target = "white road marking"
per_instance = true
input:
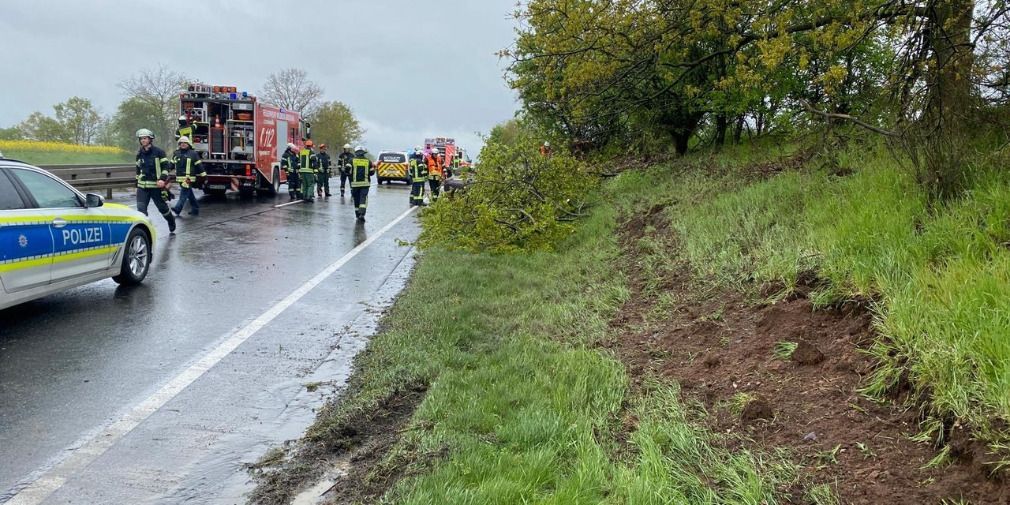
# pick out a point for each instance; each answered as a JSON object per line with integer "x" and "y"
{"x": 296, "y": 202}
{"x": 89, "y": 449}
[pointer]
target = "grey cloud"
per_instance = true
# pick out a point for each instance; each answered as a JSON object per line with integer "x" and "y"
{"x": 409, "y": 69}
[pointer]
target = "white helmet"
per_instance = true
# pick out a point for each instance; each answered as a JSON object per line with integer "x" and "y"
{"x": 417, "y": 149}
{"x": 144, "y": 132}
{"x": 547, "y": 144}
{"x": 185, "y": 139}
{"x": 360, "y": 148}
{"x": 182, "y": 117}
{"x": 292, "y": 146}
{"x": 347, "y": 146}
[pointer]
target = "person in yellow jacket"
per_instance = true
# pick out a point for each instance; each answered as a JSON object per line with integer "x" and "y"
{"x": 308, "y": 168}
{"x": 362, "y": 171}
{"x": 186, "y": 162}
{"x": 418, "y": 177}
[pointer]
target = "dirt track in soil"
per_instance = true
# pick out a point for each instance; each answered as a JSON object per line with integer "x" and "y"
{"x": 359, "y": 444}
{"x": 720, "y": 344}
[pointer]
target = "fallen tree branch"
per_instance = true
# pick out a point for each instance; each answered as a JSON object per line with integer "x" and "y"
{"x": 831, "y": 115}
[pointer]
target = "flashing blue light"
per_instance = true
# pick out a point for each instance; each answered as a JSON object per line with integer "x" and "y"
{"x": 233, "y": 96}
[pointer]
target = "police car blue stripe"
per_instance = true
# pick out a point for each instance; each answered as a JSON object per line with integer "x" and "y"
{"x": 118, "y": 232}
{"x": 25, "y": 241}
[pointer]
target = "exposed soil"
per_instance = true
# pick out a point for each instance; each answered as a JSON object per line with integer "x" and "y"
{"x": 368, "y": 478}
{"x": 364, "y": 439}
{"x": 721, "y": 347}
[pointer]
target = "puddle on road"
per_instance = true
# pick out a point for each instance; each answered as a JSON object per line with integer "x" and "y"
{"x": 223, "y": 478}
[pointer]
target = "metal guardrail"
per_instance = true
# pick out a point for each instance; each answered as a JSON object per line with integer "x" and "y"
{"x": 96, "y": 177}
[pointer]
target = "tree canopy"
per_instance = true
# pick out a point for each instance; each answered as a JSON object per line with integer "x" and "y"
{"x": 600, "y": 71}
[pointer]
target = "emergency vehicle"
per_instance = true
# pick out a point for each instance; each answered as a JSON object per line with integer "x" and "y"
{"x": 240, "y": 139}
{"x": 449, "y": 150}
{"x": 53, "y": 238}
{"x": 391, "y": 166}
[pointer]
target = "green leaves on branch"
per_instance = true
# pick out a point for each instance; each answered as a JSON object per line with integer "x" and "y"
{"x": 518, "y": 200}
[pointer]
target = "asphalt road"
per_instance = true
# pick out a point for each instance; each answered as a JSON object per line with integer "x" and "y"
{"x": 163, "y": 393}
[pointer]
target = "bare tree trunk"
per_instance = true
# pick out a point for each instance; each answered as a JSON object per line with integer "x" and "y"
{"x": 945, "y": 122}
{"x": 738, "y": 131}
{"x": 721, "y": 125}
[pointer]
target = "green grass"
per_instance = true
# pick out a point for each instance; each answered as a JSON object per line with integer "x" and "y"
{"x": 65, "y": 158}
{"x": 942, "y": 277}
{"x": 522, "y": 407}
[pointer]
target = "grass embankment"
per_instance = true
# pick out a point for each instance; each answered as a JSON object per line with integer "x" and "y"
{"x": 56, "y": 153}
{"x": 940, "y": 278}
{"x": 521, "y": 405}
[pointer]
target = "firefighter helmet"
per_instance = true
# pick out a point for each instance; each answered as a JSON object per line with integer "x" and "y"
{"x": 185, "y": 139}
{"x": 292, "y": 146}
{"x": 417, "y": 149}
{"x": 347, "y": 146}
{"x": 144, "y": 132}
{"x": 360, "y": 148}
{"x": 547, "y": 144}
{"x": 308, "y": 143}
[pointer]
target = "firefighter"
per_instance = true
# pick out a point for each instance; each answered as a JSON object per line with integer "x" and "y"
{"x": 289, "y": 163}
{"x": 187, "y": 163}
{"x": 185, "y": 129}
{"x": 362, "y": 170}
{"x": 545, "y": 150}
{"x": 457, "y": 159}
{"x": 344, "y": 163}
{"x": 434, "y": 174}
{"x": 153, "y": 172}
{"x": 308, "y": 166}
{"x": 418, "y": 176}
{"x": 324, "y": 172}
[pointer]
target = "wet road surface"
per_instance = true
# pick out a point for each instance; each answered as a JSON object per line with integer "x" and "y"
{"x": 84, "y": 412}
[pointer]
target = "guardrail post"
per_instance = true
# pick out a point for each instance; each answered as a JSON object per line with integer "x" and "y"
{"x": 108, "y": 191}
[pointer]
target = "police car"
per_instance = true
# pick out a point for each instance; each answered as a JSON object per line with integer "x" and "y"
{"x": 53, "y": 238}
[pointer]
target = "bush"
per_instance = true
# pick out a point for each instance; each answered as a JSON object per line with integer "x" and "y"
{"x": 518, "y": 200}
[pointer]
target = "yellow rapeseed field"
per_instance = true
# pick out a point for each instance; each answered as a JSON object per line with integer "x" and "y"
{"x": 60, "y": 147}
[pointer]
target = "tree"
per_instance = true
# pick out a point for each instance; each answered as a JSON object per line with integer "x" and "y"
{"x": 39, "y": 126}
{"x": 79, "y": 120}
{"x": 291, "y": 89}
{"x": 334, "y": 124}
{"x": 155, "y": 89}
{"x": 12, "y": 133}
{"x": 135, "y": 113}
{"x": 673, "y": 61}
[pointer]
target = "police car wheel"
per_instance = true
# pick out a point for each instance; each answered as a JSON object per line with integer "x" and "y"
{"x": 136, "y": 259}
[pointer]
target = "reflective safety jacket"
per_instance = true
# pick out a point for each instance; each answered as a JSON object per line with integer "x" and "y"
{"x": 184, "y": 131}
{"x": 307, "y": 162}
{"x": 187, "y": 167}
{"x": 152, "y": 166}
{"x": 324, "y": 162}
{"x": 434, "y": 168}
{"x": 418, "y": 168}
{"x": 362, "y": 171}
{"x": 289, "y": 162}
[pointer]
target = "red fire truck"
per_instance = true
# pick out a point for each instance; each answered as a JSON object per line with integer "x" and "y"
{"x": 447, "y": 147}
{"x": 240, "y": 138}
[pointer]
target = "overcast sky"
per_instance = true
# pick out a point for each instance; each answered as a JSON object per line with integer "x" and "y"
{"x": 408, "y": 68}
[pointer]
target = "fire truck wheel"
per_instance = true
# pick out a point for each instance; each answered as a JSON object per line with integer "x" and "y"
{"x": 269, "y": 188}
